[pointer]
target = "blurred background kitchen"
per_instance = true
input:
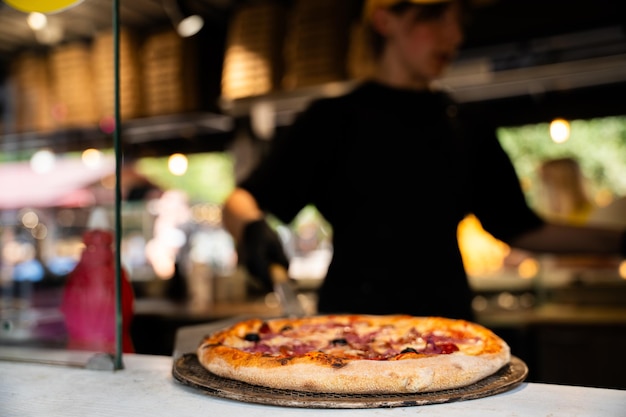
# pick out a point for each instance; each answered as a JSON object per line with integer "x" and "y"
{"x": 200, "y": 104}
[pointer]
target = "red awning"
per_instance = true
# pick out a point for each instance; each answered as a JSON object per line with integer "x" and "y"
{"x": 65, "y": 185}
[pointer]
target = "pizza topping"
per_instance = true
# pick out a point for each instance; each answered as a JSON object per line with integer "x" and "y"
{"x": 440, "y": 348}
{"x": 265, "y": 328}
{"x": 356, "y": 339}
{"x": 252, "y": 337}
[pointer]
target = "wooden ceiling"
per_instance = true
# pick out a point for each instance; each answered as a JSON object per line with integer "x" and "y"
{"x": 494, "y": 22}
{"x": 90, "y": 16}
{"x": 510, "y": 34}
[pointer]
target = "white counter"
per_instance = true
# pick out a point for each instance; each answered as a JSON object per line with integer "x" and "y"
{"x": 145, "y": 387}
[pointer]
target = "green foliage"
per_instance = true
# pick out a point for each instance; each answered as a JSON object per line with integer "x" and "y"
{"x": 209, "y": 177}
{"x": 599, "y": 145}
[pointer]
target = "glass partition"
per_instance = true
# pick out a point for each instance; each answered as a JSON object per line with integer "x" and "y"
{"x": 63, "y": 289}
{"x": 93, "y": 98}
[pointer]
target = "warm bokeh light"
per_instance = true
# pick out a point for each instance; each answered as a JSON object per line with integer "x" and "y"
{"x": 559, "y": 130}
{"x": 30, "y": 219}
{"x": 263, "y": 119}
{"x": 39, "y": 232}
{"x": 622, "y": 269}
{"x": 528, "y": 268}
{"x": 507, "y": 301}
{"x": 37, "y": 21}
{"x": 480, "y": 303}
{"x": 207, "y": 213}
{"x": 92, "y": 158}
{"x": 603, "y": 198}
{"x": 177, "y": 164}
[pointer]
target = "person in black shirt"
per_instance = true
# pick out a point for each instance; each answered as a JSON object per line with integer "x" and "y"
{"x": 394, "y": 166}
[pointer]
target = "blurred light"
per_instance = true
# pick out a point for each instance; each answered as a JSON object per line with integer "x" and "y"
{"x": 263, "y": 119}
{"x": 527, "y": 300}
{"x": 190, "y": 25}
{"x": 528, "y": 268}
{"x": 603, "y": 197}
{"x": 51, "y": 34}
{"x": 207, "y": 213}
{"x": 559, "y": 130}
{"x": 622, "y": 269}
{"x": 480, "y": 303}
{"x": 39, "y": 232}
{"x": 13, "y": 252}
{"x": 177, "y": 164}
{"x": 30, "y": 219}
{"x": 186, "y": 24}
{"x": 42, "y": 161}
{"x": 507, "y": 301}
{"x": 37, "y": 21}
{"x": 271, "y": 300}
{"x": 92, "y": 158}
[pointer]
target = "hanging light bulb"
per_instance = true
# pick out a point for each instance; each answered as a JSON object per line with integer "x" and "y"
{"x": 92, "y": 158}
{"x": 177, "y": 164}
{"x": 37, "y": 21}
{"x": 559, "y": 130}
{"x": 190, "y": 25}
{"x": 186, "y": 25}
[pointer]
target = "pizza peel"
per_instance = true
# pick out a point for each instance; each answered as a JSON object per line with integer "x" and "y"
{"x": 188, "y": 371}
{"x": 286, "y": 292}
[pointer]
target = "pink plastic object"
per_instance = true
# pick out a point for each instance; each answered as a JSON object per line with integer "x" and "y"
{"x": 89, "y": 298}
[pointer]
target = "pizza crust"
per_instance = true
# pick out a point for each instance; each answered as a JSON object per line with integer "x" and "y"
{"x": 371, "y": 377}
{"x": 321, "y": 372}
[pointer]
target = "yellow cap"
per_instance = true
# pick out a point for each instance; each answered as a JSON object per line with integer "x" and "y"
{"x": 371, "y": 5}
{"x": 42, "y": 6}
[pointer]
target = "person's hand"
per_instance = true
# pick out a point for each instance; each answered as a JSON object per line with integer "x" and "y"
{"x": 259, "y": 248}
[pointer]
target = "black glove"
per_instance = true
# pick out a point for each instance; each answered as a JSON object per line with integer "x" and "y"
{"x": 260, "y": 247}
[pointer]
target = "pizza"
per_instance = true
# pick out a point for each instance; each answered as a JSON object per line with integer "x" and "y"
{"x": 355, "y": 354}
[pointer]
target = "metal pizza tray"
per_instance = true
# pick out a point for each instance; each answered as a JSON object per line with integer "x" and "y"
{"x": 188, "y": 371}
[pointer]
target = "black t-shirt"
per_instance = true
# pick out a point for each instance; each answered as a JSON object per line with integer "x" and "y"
{"x": 394, "y": 172}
